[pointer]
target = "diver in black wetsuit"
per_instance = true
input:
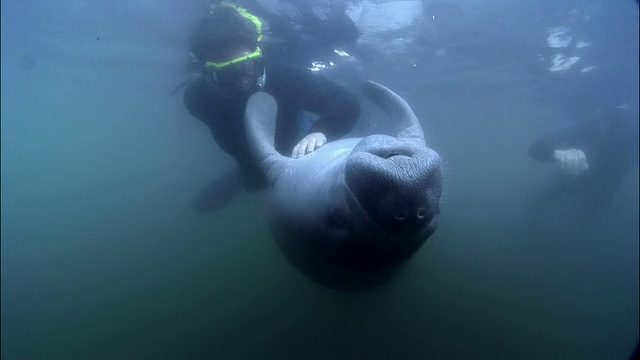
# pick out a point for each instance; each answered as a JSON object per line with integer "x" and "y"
{"x": 594, "y": 155}
{"x": 309, "y": 37}
{"x": 226, "y": 43}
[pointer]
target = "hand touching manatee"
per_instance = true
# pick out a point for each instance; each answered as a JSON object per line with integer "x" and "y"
{"x": 309, "y": 144}
{"x": 572, "y": 162}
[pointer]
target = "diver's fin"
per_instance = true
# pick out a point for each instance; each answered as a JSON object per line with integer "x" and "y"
{"x": 218, "y": 193}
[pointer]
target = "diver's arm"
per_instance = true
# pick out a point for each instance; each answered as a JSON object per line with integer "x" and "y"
{"x": 228, "y": 133}
{"x": 342, "y": 31}
{"x": 196, "y": 102}
{"x": 338, "y": 108}
{"x": 565, "y": 148}
{"x": 544, "y": 149}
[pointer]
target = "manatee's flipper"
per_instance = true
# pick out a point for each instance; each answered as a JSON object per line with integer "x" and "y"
{"x": 218, "y": 193}
{"x": 260, "y": 121}
{"x": 397, "y": 108}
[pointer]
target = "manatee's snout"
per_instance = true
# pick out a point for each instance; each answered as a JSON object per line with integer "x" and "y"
{"x": 396, "y": 183}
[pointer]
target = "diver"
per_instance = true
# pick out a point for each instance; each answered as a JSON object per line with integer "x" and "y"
{"x": 316, "y": 38}
{"x": 593, "y": 154}
{"x": 312, "y": 34}
{"x": 226, "y": 43}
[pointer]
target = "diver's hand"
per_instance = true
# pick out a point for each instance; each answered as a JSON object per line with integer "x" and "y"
{"x": 309, "y": 144}
{"x": 572, "y": 162}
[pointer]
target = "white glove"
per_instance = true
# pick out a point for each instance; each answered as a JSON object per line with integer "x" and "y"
{"x": 572, "y": 161}
{"x": 309, "y": 144}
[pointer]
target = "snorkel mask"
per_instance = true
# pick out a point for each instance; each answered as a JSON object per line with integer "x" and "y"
{"x": 243, "y": 73}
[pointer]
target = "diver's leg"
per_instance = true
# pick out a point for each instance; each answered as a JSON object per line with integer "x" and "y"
{"x": 218, "y": 193}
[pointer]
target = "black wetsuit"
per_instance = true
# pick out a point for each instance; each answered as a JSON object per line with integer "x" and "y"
{"x": 295, "y": 91}
{"x": 610, "y": 145}
{"x": 309, "y": 38}
{"x": 302, "y": 38}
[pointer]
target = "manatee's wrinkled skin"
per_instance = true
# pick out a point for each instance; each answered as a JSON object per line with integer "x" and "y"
{"x": 349, "y": 214}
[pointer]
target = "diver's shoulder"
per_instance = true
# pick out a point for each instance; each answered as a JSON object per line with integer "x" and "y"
{"x": 284, "y": 71}
{"x": 198, "y": 100}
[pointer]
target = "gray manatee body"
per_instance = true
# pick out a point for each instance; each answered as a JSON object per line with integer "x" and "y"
{"x": 348, "y": 214}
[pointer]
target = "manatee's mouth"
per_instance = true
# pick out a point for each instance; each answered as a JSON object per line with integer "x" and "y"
{"x": 354, "y": 205}
{"x": 352, "y": 199}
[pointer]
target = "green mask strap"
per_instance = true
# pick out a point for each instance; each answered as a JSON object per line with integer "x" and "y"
{"x": 244, "y": 13}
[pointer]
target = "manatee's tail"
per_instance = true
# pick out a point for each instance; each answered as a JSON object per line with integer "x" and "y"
{"x": 260, "y": 121}
{"x": 396, "y": 107}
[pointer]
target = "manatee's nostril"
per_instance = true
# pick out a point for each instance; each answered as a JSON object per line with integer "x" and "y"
{"x": 421, "y": 213}
{"x": 389, "y": 155}
{"x": 400, "y": 215}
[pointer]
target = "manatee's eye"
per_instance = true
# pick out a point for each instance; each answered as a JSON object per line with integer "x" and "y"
{"x": 340, "y": 230}
{"x": 421, "y": 213}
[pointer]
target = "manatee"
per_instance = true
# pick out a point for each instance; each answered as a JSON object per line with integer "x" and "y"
{"x": 349, "y": 214}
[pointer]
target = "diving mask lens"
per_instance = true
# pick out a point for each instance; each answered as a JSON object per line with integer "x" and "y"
{"x": 243, "y": 72}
